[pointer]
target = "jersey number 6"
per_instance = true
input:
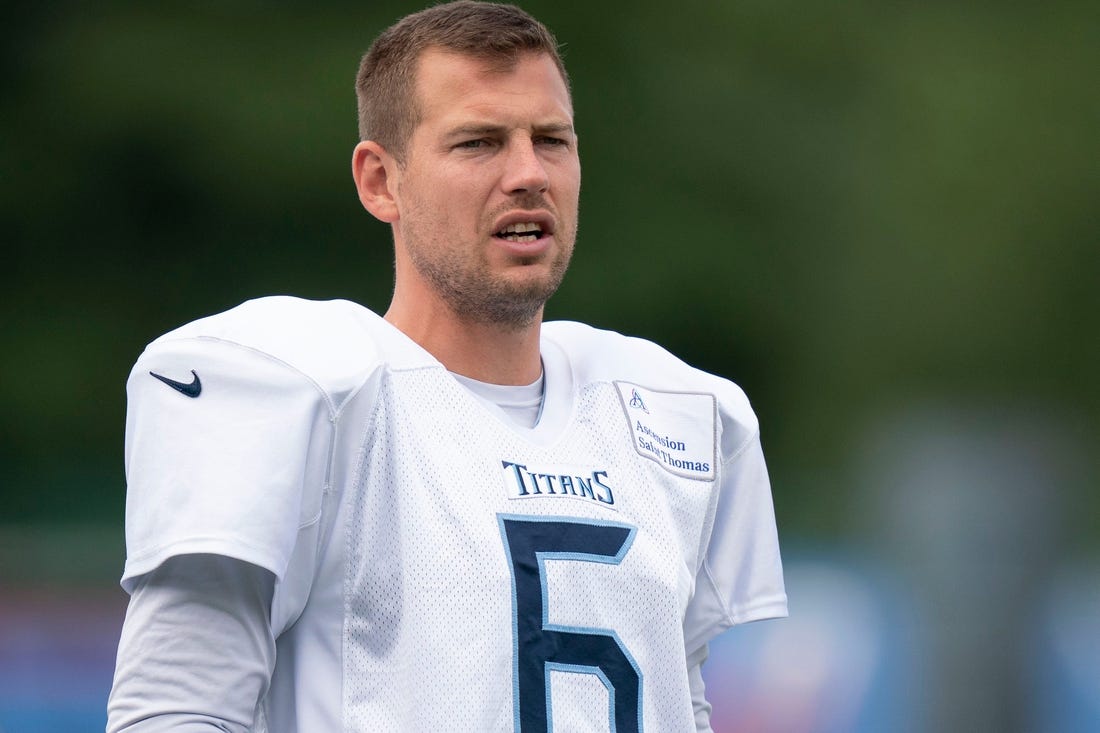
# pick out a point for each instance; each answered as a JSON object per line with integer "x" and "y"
{"x": 541, "y": 647}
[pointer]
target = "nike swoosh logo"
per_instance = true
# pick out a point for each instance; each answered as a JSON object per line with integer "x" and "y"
{"x": 194, "y": 389}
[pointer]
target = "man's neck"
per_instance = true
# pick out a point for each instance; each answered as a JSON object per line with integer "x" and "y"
{"x": 483, "y": 351}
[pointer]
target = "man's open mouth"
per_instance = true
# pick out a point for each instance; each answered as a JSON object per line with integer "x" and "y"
{"x": 521, "y": 232}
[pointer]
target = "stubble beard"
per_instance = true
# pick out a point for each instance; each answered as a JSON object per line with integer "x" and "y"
{"x": 466, "y": 283}
{"x": 475, "y": 294}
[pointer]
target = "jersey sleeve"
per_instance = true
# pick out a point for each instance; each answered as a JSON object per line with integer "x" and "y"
{"x": 741, "y": 576}
{"x": 234, "y": 465}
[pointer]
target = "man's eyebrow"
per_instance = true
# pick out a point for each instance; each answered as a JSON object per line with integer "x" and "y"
{"x": 475, "y": 129}
{"x": 554, "y": 128}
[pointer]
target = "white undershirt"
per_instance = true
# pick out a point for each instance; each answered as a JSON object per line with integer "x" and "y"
{"x": 521, "y": 404}
{"x": 197, "y": 651}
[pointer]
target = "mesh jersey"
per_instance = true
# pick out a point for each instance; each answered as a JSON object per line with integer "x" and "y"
{"x": 439, "y": 568}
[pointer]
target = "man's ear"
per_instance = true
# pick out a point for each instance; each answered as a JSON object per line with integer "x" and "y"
{"x": 373, "y": 170}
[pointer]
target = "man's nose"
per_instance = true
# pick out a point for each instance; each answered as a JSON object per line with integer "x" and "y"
{"x": 525, "y": 171}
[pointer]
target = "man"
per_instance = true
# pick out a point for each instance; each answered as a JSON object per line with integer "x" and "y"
{"x": 454, "y": 517}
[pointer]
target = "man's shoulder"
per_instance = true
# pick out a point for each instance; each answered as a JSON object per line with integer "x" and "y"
{"x": 598, "y": 355}
{"x": 332, "y": 342}
{"x": 268, "y": 318}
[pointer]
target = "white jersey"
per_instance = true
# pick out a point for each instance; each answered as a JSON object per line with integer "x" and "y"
{"x": 438, "y": 567}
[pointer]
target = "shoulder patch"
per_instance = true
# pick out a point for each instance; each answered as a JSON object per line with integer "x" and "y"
{"x": 678, "y": 430}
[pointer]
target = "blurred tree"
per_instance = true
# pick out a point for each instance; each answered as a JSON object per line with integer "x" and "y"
{"x": 846, "y": 207}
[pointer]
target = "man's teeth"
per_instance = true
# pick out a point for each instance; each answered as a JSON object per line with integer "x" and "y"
{"x": 521, "y": 232}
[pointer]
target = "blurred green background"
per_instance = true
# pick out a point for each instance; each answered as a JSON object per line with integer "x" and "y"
{"x": 849, "y": 208}
{"x": 858, "y": 211}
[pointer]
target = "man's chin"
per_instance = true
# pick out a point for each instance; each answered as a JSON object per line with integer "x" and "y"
{"x": 512, "y": 303}
{"x": 535, "y": 275}
{"x": 531, "y": 290}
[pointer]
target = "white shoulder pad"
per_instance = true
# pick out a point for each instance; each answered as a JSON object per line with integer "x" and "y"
{"x": 229, "y": 427}
{"x": 332, "y": 343}
{"x": 607, "y": 356}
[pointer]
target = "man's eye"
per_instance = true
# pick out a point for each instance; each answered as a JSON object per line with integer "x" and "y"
{"x": 472, "y": 144}
{"x": 552, "y": 141}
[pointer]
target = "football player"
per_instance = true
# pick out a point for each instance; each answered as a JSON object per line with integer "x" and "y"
{"x": 453, "y": 516}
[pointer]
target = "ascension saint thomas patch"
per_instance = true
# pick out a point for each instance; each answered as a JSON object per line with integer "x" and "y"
{"x": 678, "y": 430}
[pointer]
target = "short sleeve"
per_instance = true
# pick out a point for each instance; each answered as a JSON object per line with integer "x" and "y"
{"x": 741, "y": 576}
{"x": 233, "y": 464}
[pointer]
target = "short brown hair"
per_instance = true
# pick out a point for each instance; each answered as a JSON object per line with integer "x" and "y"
{"x": 385, "y": 84}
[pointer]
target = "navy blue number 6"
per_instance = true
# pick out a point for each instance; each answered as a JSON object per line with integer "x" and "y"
{"x": 542, "y": 647}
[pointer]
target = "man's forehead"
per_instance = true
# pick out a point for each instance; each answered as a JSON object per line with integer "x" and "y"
{"x": 437, "y": 66}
